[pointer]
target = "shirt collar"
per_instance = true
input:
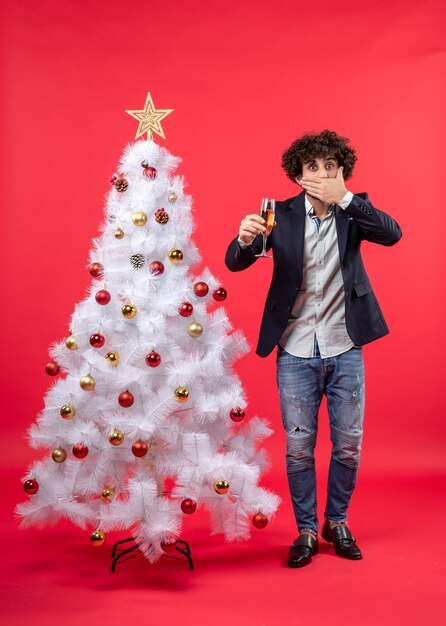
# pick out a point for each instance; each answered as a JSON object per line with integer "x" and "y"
{"x": 309, "y": 210}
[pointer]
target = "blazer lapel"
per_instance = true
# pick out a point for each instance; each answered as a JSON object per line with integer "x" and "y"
{"x": 296, "y": 213}
{"x": 342, "y": 230}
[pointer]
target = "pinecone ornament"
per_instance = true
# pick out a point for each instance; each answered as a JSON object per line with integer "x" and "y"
{"x": 137, "y": 260}
{"x": 121, "y": 184}
{"x": 161, "y": 216}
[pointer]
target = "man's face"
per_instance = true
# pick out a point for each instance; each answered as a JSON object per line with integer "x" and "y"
{"x": 320, "y": 168}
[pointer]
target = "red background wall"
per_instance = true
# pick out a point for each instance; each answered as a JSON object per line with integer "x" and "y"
{"x": 244, "y": 79}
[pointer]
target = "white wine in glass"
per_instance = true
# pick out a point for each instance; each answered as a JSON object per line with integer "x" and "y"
{"x": 267, "y": 212}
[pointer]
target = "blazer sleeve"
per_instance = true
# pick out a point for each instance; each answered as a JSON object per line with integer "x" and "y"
{"x": 377, "y": 226}
{"x": 238, "y": 258}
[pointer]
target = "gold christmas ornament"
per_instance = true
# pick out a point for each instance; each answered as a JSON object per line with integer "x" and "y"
{"x": 139, "y": 218}
{"x": 107, "y": 494}
{"x": 221, "y": 486}
{"x": 149, "y": 119}
{"x": 181, "y": 394}
{"x": 121, "y": 184}
{"x": 195, "y": 329}
{"x": 67, "y": 411}
{"x": 87, "y": 382}
{"x": 97, "y": 538}
{"x": 172, "y": 197}
{"x": 70, "y": 342}
{"x": 119, "y": 233}
{"x": 59, "y": 455}
{"x": 112, "y": 358}
{"x": 116, "y": 437}
{"x": 175, "y": 255}
{"x": 128, "y": 311}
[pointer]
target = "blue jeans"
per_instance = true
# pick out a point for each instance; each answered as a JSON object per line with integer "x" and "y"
{"x": 302, "y": 382}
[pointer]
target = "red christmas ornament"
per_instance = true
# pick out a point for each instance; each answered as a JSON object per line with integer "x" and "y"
{"x": 220, "y": 294}
{"x": 153, "y": 359}
{"x": 97, "y": 340}
{"x": 52, "y": 368}
{"x": 80, "y": 451}
{"x": 103, "y": 297}
{"x": 156, "y": 267}
{"x": 169, "y": 545}
{"x": 185, "y": 309}
{"x": 201, "y": 289}
{"x": 259, "y": 520}
{"x": 237, "y": 414}
{"x": 188, "y": 506}
{"x": 31, "y": 486}
{"x": 150, "y": 172}
{"x": 140, "y": 448}
{"x": 96, "y": 270}
{"x": 126, "y": 399}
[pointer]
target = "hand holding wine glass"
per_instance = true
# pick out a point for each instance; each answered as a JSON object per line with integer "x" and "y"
{"x": 258, "y": 223}
{"x": 251, "y": 226}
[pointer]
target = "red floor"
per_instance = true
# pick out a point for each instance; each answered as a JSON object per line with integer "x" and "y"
{"x": 53, "y": 576}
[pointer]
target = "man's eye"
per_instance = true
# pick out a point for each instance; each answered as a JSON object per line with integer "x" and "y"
{"x": 329, "y": 165}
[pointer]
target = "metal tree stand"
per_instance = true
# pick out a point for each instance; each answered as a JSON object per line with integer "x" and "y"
{"x": 120, "y": 554}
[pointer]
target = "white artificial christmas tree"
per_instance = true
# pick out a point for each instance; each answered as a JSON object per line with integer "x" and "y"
{"x": 148, "y": 392}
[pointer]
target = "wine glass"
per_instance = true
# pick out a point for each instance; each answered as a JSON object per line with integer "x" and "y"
{"x": 267, "y": 211}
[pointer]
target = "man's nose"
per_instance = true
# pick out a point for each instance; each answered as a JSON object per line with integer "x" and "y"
{"x": 323, "y": 173}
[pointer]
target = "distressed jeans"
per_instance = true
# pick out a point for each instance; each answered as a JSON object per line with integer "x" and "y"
{"x": 302, "y": 382}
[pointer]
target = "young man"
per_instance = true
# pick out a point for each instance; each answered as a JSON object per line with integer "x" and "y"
{"x": 319, "y": 311}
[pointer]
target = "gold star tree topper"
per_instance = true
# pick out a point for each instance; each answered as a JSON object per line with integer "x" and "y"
{"x": 150, "y": 119}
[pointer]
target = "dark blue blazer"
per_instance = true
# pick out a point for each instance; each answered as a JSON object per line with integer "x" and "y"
{"x": 360, "y": 220}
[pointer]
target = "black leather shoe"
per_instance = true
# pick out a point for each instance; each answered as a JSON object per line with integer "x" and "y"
{"x": 303, "y": 548}
{"x": 344, "y": 542}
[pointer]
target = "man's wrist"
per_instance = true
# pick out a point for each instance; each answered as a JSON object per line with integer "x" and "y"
{"x": 243, "y": 245}
{"x": 346, "y": 200}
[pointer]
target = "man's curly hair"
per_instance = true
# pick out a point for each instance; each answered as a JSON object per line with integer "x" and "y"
{"x": 310, "y": 147}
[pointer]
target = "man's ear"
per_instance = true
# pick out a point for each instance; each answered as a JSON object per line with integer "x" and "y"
{"x": 298, "y": 179}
